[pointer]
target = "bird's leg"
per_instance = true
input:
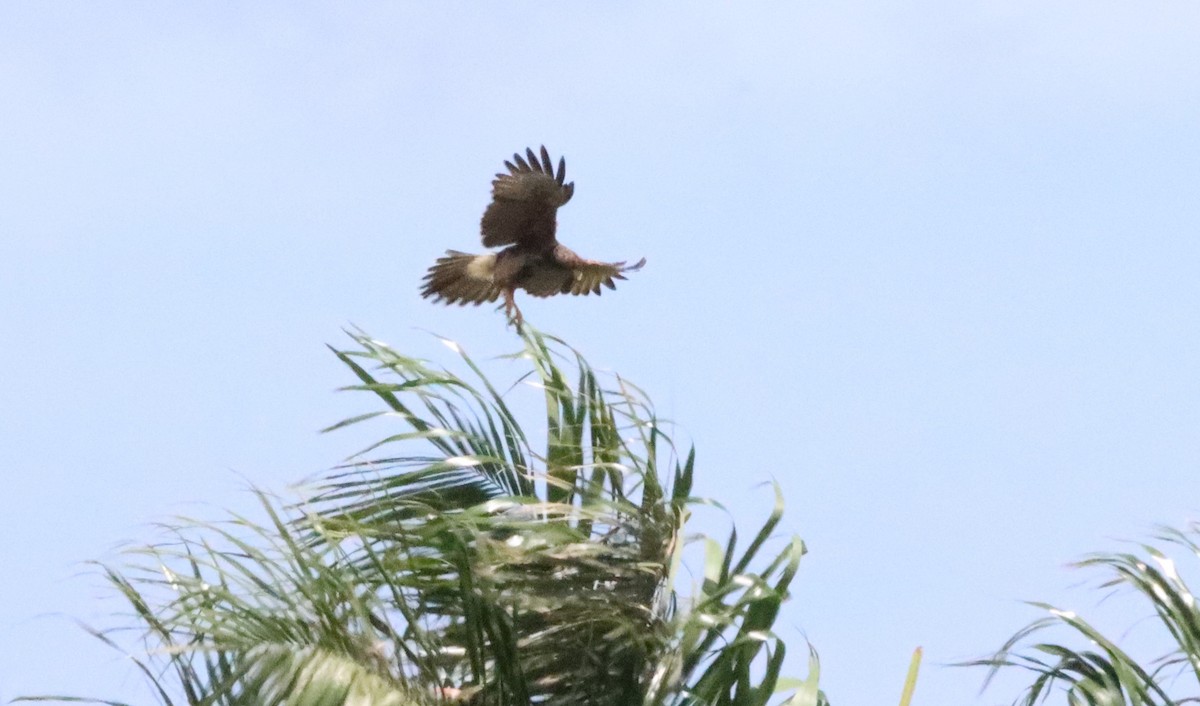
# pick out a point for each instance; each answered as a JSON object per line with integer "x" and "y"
{"x": 511, "y": 310}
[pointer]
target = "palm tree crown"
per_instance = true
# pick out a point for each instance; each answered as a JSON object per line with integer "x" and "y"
{"x": 454, "y": 562}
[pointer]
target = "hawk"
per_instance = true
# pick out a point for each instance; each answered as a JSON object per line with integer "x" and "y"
{"x": 522, "y": 217}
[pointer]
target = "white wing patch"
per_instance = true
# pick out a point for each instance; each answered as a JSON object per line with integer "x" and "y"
{"x": 482, "y": 267}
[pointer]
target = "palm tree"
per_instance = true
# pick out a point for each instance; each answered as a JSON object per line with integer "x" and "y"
{"x": 453, "y": 563}
{"x": 1097, "y": 670}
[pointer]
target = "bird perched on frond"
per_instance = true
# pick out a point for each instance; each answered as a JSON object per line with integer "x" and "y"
{"x": 522, "y": 216}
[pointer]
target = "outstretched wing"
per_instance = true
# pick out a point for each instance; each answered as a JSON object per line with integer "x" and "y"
{"x": 525, "y": 200}
{"x": 588, "y": 275}
{"x": 461, "y": 278}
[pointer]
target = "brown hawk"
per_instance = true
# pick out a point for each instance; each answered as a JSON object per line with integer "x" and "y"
{"x": 521, "y": 216}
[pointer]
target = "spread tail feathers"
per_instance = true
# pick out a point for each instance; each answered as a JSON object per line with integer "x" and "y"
{"x": 462, "y": 278}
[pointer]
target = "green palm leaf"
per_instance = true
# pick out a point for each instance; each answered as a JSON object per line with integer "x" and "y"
{"x": 1101, "y": 671}
{"x": 454, "y": 562}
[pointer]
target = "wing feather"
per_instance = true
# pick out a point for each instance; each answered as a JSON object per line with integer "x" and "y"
{"x": 525, "y": 201}
{"x": 588, "y": 276}
{"x": 462, "y": 278}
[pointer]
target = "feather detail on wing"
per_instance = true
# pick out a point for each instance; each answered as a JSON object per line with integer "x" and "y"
{"x": 462, "y": 278}
{"x": 589, "y": 275}
{"x": 525, "y": 200}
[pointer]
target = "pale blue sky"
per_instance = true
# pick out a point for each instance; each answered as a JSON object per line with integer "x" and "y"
{"x": 932, "y": 266}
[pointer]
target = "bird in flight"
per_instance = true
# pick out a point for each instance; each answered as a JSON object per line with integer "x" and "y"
{"x": 522, "y": 217}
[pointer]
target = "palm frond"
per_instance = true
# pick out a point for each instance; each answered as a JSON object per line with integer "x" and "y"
{"x": 551, "y": 593}
{"x": 1101, "y": 671}
{"x": 454, "y": 562}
